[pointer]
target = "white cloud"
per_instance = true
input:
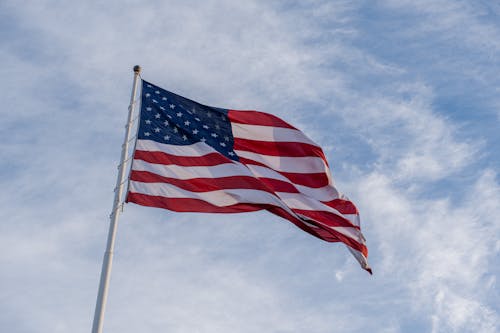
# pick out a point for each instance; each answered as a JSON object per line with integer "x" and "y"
{"x": 443, "y": 252}
{"x": 456, "y": 19}
{"x": 409, "y": 138}
{"x": 434, "y": 257}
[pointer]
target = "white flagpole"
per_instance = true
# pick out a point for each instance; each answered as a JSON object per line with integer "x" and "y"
{"x": 108, "y": 255}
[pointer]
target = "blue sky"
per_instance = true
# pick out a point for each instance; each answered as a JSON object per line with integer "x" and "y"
{"x": 404, "y": 96}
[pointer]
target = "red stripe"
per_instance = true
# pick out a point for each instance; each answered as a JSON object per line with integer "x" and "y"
{"x": 187, "y": 205}
{"x": 316, "y": 232}
{"x": 328, "y": 233}
{"x": 158, "y": 157}
{"x": 202, "y": 184}
{"x": 257, "y": 118}
{"x": 314, "y": 180}
{"x": 322, "y": 234}
{"x": 278, "y": 185}
{"x": 352, "y": 243}
{"x": 327, "y": 218}
{"x": 343, "y": 206}
{"x": 285, "y": 149}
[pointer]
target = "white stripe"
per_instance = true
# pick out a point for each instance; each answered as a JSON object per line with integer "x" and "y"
{"x": 264, "y": 172}
{"x": 326, "y": 193}
{"x": 300, "y": 201}
{"x": 350, "y": 232}
{"x": 268, "y": 133}
{"x": 353, "y": 233}
{"x": 354, "y": 218}
{"x": 359, "y": 257}
{"x": 182, "y": 172}
{"x": 303, "y": 202}
{"x": 196, "y": 149}
{"x": 220, "y": 198}
{"x": 307, "y": 164}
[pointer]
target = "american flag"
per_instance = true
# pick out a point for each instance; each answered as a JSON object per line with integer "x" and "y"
{"x": 191, "y": 157}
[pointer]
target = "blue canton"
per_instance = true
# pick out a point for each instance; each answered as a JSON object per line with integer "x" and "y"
{"x": 172, "y": 119}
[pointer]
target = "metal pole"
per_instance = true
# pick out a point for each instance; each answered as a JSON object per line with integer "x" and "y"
{"x": 108, "y": 255}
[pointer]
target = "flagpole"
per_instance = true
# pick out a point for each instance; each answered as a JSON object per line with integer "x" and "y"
{"x": 117, "y": 203}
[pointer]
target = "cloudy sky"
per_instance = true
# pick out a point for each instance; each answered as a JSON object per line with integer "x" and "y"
{"x": 404, "y": 96}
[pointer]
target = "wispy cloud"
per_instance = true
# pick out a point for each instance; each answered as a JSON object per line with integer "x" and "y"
{"x": 401, "y": 95}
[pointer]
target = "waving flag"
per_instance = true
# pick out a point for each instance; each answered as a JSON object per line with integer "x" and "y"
{"x": 191, "y": 157}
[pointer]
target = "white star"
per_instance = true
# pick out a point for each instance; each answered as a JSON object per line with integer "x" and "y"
{"x": 197, "y": 119}
{"x": 147, "y": 134}
{"x": 217, "y": 126}
{"x": 169, "y": 116}
{"x": 194, "y": 110}
{"x": 230, "y": 153}
{"x": 166, "y": 137}
{"x": 214, "y": 135}
{"x": 209, "y": 114}
{"x": 226, "y": 138}
{"x": 179, "y": 114}
{"x": 195, "y": 132}
{"x": 155, "y": 101}
{"x": 148, "y": 94}
{"x": 184, "y": 137}
{"x": 222, "y": 144}
{"x": 148, "y": 122}
{"x": 176, "y": 130}
{"x": 157, "y": 116}
{"x": 164, "y": 98}
{"x": 157, "y": 92}
{"x": 150, "y": 86}
{"x": 157, "y": 129}
{"x": 166, "y": 123}
{"x": 203, "y": 140}
{"x": 161, "y": 107}
{"x": 172, "y": 106}
{"x": 149, "y": 108}
{"x": 205, "y": 126}
{"x": 187, "y": 122}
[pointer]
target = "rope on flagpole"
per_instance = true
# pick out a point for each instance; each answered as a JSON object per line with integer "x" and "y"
{"x": 117, "y": 203}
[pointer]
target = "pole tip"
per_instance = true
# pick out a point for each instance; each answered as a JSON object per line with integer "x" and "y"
{"x": 137, "y": 69}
